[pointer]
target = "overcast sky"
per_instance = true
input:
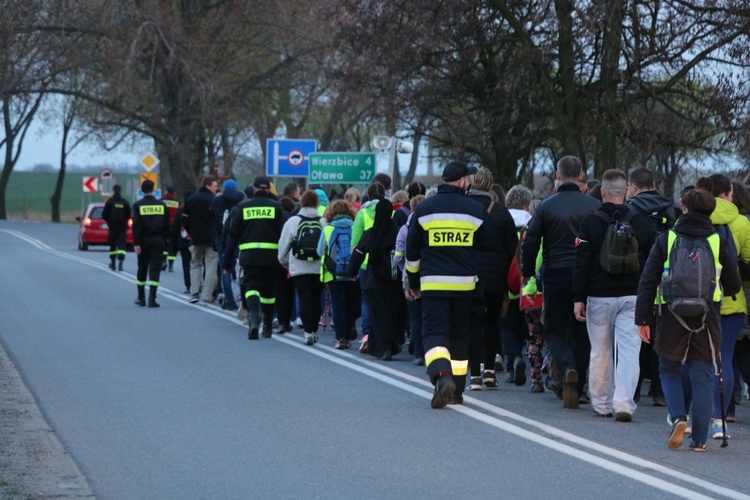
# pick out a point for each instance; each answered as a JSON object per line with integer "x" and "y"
{"x": 42, "y": 145}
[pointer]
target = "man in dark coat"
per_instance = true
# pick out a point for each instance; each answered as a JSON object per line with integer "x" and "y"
{"x": 199, "y": 222}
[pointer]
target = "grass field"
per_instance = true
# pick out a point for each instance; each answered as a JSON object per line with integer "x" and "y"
{"x": 28, "y": 194}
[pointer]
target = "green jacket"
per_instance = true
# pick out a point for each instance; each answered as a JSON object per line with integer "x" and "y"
{"x": 726, "y": 213}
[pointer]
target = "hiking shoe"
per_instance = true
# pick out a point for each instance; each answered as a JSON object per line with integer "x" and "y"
{"x": 678, "y": 432}
{"x": 537, "y": 387}
{"x": 309, "y": 338}
{"x": 267, "y": 331}
{"x": 475, "y": 384}
{"x": 519, "y": 369}
{"x": 488, "y": 377}
{"x": 688, "y": 429}
{"x": 363, "y": 345}
{"x": 456, "y": 399}
{"x": 697, "y": 446}
{"x": 111, "y": 265}
{"x": 444, "y": 389}
{"x": 282, "y": 329}
{"x": 510, "y": 376}
{"x": 387, "y": 355}
{"x": 339, "y": 344}
{"x": 252, "y": 334}
{"x": 498, "y": 363}
{"x": 570, "y": 389}
{"x": 716, "y": 430}
{"x": 623, "y": 416}
{"x": 194, "y": 299}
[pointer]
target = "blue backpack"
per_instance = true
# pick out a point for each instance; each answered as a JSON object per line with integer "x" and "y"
{"x": 339, "y": 252}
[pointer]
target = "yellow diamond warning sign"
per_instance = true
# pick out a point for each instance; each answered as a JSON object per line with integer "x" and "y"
{"x": 149, "y": 161}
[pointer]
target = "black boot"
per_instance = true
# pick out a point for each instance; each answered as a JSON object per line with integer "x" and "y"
{"x": 253, "y": 321}
{"x": 171, "y": 266}
{"x": 119, "y": 265}
{"x": 112, "y": 262}
{"x": 152, "y": 297}
{"x": 141, "y": 300}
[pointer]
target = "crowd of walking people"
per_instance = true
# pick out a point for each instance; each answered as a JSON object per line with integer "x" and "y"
{"x": 589, "y": 284}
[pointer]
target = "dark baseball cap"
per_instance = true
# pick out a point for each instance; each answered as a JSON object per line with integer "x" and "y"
{"x": 455, "y": 170}
{"x": 262, "y": 182}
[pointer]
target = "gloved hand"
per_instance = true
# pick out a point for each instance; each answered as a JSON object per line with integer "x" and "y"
{"x": 529, "y": 288}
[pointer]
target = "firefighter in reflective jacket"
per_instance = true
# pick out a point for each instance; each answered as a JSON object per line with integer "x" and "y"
{"x": 150, "y": 233}
{"x": 117, "y": 214}
{"x": 256, "y": 229}
{"x": 172, "y": 204}
{"x": 441, "y": 268}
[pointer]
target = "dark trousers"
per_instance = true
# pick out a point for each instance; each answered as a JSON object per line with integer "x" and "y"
{"x": 185, "y": 257}
{"x": 344, "y": 301}
{"x": 149, "y": 261}
{"x": 513, "y": 333}
{"x": 567, "y": 338}
{"x": 415, "y": 320}
{"x": 117, "y": 238}
{"x": 309, "y": 289}
{"x": 284, "y": 297}
{"x": 484, "y": 333}
{"x": 388, "y": 313}
{"x": 444, "y": 324}
{"x": 258, "y": 287}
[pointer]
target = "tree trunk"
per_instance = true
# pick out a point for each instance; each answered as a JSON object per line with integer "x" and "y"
{"x": 418, "y": 134}
{"x": 606, "y": 136}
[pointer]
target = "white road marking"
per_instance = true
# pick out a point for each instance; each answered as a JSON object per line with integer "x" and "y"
{"x": 391, "y": 376}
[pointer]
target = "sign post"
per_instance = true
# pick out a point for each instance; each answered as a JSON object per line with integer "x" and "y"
{"x": 149, "y": 162}
{"x": 341, "y": 168}
{"x": 289, "y": 157}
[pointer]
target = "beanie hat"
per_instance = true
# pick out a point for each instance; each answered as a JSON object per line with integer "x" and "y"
{"x": 230, "y": 184}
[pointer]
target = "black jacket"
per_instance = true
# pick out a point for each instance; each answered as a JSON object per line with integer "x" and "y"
{"x": 150, "y": 220}
{"x": 444, "y": 235}
{"x": 589, "y": 279}
{"x": 197, "y": 217}
{"x": 557, "y": 220}
{"x": 220, "y": 204}
{"x": 672, "y": 340}
{"x": 116, "y": 211}
{"x": 256, "y": 229}
{"x": 493, "y": 264}
{"x": 661, "y": 210}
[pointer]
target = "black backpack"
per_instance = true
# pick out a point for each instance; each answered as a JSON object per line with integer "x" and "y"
{"x": 619, "y": 253}
{"x": 689, "y": 278}
{"x": 305, "y": 243}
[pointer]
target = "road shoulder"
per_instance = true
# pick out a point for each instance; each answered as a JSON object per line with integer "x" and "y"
{"x": 33, "y": 462}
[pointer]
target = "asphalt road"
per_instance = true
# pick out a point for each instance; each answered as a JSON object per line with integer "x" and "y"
{"x": 175, "y": 402}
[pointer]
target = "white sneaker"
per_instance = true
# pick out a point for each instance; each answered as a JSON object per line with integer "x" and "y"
{"x": 309, "y": 338}
{"x": 299, "y": 323}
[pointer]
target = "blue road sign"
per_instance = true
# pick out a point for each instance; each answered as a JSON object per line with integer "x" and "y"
{"x": 157, "y": 194}
{"x": 289, "y": 157}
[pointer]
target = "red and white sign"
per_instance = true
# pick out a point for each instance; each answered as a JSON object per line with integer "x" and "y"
{"x": 90, "y": 184}
{"x": 295, "y": 157}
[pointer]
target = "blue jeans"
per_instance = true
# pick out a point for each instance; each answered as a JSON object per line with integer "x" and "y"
{"x": 730, "y": 329}
{"x": 226, "y": 281}
{"x": 343, "y": 298}
{"x": 701, "y": 375}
